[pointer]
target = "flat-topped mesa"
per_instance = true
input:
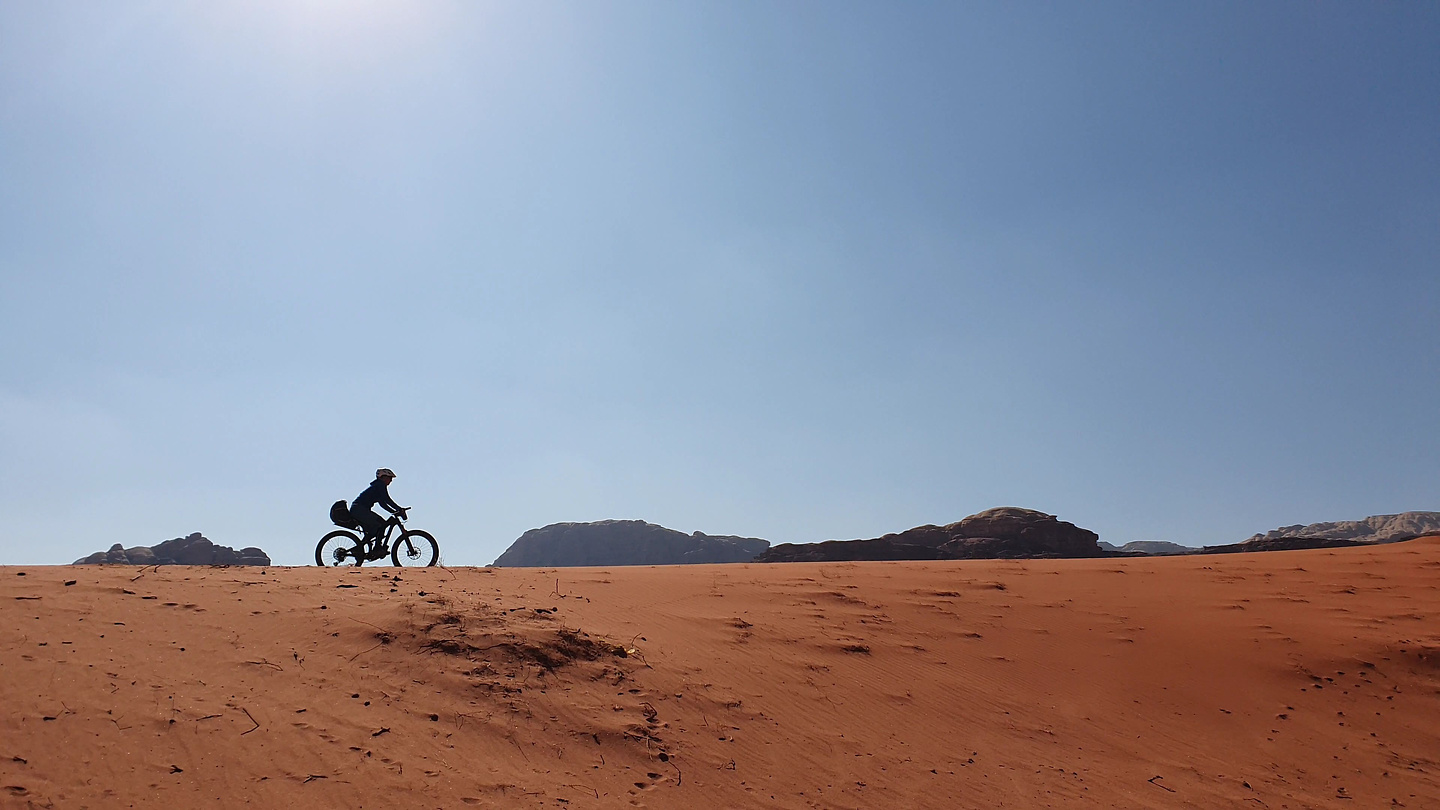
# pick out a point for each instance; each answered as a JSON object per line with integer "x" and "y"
{"x": 1004, "y": 532}
{"x": 193, "y": 549}
{"x": 1150, "y": 548}
{"x": 1268, "y": 543}
{"x": 624, "y": 542}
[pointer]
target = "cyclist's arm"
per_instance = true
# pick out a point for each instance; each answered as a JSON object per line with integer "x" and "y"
{"x": 389, "y": 504}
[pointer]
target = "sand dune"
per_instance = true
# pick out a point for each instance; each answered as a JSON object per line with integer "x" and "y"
{"x": 1281, "y": 680}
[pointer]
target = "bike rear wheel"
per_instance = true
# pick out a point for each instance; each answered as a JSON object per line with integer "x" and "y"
{"x": 338, "y": 548}
{"x": 415, "y": 548}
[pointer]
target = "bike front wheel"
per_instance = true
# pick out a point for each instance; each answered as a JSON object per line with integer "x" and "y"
{"x": 415, "y": 548}
{"x": 338, "y": 548}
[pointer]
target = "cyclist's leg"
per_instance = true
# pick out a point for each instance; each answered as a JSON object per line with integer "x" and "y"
{"x": 373, "y": 524}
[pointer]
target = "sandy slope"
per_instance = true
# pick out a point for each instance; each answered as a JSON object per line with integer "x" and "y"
{"x": 1288, "y": 679}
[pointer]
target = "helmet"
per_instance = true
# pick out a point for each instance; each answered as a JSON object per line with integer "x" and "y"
{"x": 384, "y": 472}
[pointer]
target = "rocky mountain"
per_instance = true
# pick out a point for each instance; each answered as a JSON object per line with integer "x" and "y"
{"x": 1155, "y": 548}
{"x": 194, "y": 549}
{"x": 1281, "y": 544}
{"x": 1004, "y": 532}
{"x": 1374, "y": 529}
{"x": 624, "y": 542}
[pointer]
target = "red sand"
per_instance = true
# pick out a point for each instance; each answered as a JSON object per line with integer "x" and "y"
{"x": 1278, "y": 680}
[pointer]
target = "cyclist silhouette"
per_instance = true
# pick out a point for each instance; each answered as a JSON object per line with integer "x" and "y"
{"x": 377, "y": 492}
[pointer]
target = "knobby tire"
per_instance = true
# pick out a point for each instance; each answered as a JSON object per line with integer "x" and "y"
{"x": 427, "y": 551}
{"x": 330, "y": 544}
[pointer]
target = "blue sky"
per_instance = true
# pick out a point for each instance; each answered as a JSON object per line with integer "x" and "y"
{"x": 798, "y": 271}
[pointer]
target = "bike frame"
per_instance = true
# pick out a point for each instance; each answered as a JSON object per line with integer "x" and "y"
{"x": 395, "y": 520}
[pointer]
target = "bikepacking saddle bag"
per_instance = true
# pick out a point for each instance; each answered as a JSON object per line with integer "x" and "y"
{"x": 340, "y": 515}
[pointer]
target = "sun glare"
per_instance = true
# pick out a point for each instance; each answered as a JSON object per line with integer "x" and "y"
{"x": 339, "y": 29}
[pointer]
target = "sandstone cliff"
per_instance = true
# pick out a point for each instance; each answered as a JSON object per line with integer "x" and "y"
{"x": 1154, "y": 548}
{"x": 1374, "y": 529}
{"x": 1004, "y": 532}
{"x": 624, "y": 542}
{"x": 1281, "y": 544}
{"x": 194, "y": 549}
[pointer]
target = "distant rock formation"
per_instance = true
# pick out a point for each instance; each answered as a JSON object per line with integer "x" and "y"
{"x": 880, "y": 548}
{"x": 1154, "y": 548}
{"x": 191, "y": 550}
{"x": 1374, "y": 529}
{"x": 1281, "y": 544}
{"x": 624, "y": 542}
{"x": 1004, "y": 532}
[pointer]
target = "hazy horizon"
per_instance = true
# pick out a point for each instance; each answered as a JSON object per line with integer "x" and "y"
{"x": 797, "y": 271}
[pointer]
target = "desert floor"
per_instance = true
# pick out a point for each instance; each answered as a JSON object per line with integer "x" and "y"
{"x": 1279, "y": 680}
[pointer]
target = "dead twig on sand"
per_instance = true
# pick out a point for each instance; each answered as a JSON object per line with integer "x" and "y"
{"x": 679, "y": 777}
{"x": 585, "y": 787}
{"x": 516, "y": 743}
{"x": 1152, "y": 781}
{"x": 461, "y": 716}
{"x": 252, "y": 719}
{"x": 362, "y": 652}
{"x": 263, "y": 663}
{"x": 631, "y": 651}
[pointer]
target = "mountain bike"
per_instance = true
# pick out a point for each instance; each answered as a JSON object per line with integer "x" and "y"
{"x": 412, "y": 548}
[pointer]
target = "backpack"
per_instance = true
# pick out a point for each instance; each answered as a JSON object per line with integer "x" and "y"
{"x": 340, "y": 515}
